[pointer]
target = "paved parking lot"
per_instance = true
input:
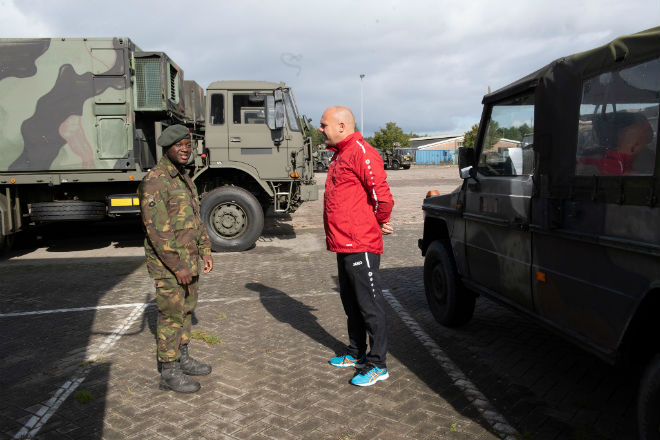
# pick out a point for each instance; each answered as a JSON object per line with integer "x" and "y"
{"x": 78, "y": 319}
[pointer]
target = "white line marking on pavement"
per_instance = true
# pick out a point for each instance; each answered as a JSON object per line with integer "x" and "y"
{"x": 75, "y": 309}
{"x": 151, "y": 303}
{"x": 39, "y": 419}
{"x": 460, "y": 380}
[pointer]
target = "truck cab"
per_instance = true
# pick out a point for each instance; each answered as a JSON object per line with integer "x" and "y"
{"x": 256, "y": 145}
{"x": 558, "y": 215}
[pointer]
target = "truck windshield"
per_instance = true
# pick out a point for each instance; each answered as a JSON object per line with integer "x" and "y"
{"x": 291, "y": 111}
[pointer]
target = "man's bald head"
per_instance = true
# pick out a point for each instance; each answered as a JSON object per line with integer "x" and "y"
{"x": 337, "y": 123}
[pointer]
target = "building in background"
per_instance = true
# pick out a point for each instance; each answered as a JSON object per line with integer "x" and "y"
{"x": 434, "y": 150}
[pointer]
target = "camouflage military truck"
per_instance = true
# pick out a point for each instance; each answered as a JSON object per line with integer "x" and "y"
{"x": 571, "y": 237}
{"x": 78, "y": 122}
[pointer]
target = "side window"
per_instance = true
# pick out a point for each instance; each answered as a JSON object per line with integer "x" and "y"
{"x": 217, "y": 109}
{"x": 508, "y": 146}
{"x": 618, "y": 126}
{"x": 249, "y": 109}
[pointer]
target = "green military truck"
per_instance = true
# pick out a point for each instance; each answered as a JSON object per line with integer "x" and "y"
{"x": 567, "y": 228}
{"x": 396, "y": 158}
{"x": 322, "y": 159}
{"x": 79, "y": 119}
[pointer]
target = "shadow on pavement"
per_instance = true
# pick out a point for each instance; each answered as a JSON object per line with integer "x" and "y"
{"x": 275, "y": 225}
{"x": 79, "y": 236}
{"x": 41, "y": 352}
{"x": 295, "y": 313}
{"x": 541, "y": 383}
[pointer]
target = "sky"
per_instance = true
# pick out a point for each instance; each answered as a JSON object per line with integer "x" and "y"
{"x": 426, "y": 64}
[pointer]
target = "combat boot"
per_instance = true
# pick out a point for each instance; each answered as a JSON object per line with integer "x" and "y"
{"x": 192, "y": 367}
{"x": 172, "y": 378}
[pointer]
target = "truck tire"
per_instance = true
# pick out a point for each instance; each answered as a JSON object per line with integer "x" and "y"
{"x": 233, "y": 218}
{"x": 648, "y": 402}
{"x": 406, "y": 167}
{"x": 395, "y": 165}
{"x": 450, "y": 303}
{"x": 67, "y": 210}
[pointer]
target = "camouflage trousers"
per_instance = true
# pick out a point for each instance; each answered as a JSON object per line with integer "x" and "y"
{"x": 176, "y": 304}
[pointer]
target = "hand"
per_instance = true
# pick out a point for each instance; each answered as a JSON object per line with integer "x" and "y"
{"x": 183, "y": 277}
{"x": 386, "y": 228}
{"x": 208, "y": 263}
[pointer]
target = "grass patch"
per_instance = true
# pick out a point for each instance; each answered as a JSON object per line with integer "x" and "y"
{"x": 83, "y": 396}
{"x": 206, "y": 337}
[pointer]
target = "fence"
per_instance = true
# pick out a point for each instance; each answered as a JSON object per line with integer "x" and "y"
{"x": 434, "y": 157}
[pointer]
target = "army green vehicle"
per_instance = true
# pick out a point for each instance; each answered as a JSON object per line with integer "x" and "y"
{"x": 322, "y": 159}
{"x": 396, "y": 158}
{"x": 79, "y": 119}
{"x": 571, "y": 235}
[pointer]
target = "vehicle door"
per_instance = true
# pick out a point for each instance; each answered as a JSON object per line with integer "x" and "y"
{"x": 497, "y": 203}
{"x": 603, "y": 256}
{"x": 216, "y": 136}
{"x": 250, "y": 140}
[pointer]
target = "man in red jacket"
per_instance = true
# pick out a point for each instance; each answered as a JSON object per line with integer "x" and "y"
{"x": 356, "y": 211}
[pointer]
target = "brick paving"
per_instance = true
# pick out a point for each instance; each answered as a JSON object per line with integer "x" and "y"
{"x": 277, "y": 318}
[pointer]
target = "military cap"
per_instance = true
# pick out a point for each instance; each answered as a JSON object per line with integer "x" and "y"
{"x": 173, "y": 134}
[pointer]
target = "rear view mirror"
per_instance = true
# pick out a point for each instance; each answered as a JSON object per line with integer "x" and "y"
{"x": 465, "y": 157}
{"x": 275, "y": 110}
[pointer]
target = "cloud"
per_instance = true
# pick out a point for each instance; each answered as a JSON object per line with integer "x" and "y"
{"x": 427, "y": 62}
{"x": 16, "y": 23}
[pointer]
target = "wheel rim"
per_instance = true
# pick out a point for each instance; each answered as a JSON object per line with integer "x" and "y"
{"x": 229, "y": 220}
{"x": 438, "y": 285}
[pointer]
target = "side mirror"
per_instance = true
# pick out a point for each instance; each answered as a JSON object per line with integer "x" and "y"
{"x": 465, "y": 157}
{"x": 466, "y": 163}
{"x": 275, "y": 110}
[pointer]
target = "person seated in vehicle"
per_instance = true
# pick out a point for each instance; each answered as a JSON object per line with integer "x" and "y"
{"x": 624, "y": 135}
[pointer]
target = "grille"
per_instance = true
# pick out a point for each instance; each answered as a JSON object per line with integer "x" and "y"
{"x": 148, "y": 87}
{"x": 174, "y": 84}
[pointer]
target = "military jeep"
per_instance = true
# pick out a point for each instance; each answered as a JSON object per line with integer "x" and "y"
{"x": 558, "y": 215}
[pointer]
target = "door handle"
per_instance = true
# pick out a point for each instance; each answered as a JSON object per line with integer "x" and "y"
{"x": 234, "y": 139}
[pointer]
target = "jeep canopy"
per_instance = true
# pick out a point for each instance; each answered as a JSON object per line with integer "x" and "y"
{"x": 587, "y": 96}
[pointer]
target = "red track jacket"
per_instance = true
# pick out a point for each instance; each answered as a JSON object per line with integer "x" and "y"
{"x": 357, "y": 198}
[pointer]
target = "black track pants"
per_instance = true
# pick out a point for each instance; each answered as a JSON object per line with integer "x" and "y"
{"x": 361, "y": 296}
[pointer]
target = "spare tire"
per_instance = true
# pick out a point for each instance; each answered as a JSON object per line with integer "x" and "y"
{"x": 67, "y": 210}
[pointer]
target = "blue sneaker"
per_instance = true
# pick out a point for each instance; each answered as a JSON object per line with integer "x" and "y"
{"x": 369, "y": 376}
{"x": 346, "y": 361}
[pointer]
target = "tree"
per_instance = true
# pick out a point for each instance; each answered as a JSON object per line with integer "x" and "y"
{"x": 317, "y": 137}
{"x": 385, "y": 138}
{"x": 470, "y": 137}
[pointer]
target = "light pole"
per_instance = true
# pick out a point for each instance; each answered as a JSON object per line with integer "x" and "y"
{"x": 362, "y": 75}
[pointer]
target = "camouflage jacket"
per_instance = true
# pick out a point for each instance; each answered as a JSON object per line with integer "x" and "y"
{"x": 175, "y": 235}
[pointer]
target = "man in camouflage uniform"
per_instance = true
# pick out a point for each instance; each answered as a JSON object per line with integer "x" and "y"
{"x": 175, "y": 240}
